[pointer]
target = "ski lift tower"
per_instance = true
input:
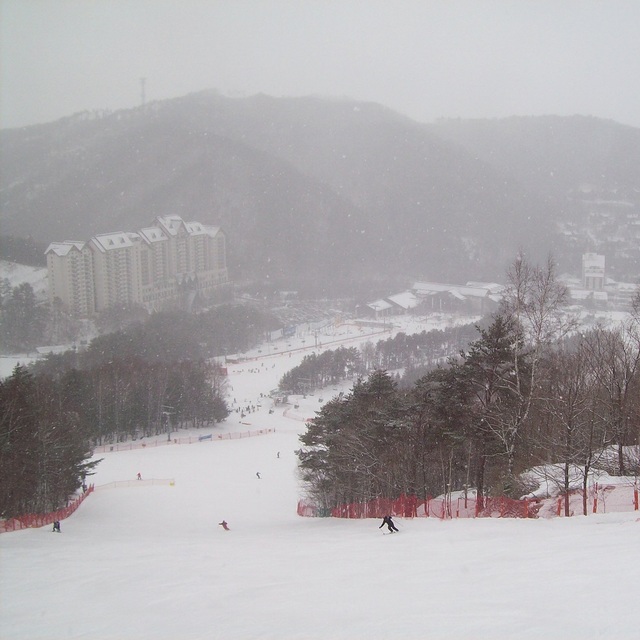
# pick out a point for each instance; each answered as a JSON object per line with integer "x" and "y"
{"x": 166, "y": 412}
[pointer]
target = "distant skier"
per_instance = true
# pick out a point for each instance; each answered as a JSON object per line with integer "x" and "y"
{"x": 390, "y": 525}
{"x": 56, "y": 526}
{"x": 258, "y": 475}
{"x": 139, "y": 476}
{"x": 224, "y": 525}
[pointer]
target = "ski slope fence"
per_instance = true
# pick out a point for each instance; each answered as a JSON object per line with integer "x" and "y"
{"x": 600, "y": 499}
{"x": 118, "y": 484}
{"x": 129, "y": 446}
{"x": 41, "y": 519}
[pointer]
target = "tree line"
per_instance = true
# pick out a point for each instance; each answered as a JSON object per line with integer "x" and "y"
{"x": 44, "y": 445}
{"x": 531, "y": 390}
{"x": 27, "y": 323}
{"x": 415, "y": 354}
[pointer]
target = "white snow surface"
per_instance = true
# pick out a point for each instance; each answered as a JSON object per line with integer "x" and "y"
{"x": 150, "y": 561}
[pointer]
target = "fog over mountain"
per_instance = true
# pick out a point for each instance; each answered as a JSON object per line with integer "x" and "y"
{"x": 308, "y": 185}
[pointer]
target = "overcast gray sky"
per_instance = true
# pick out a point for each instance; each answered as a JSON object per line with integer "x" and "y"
{"x": 424, "y": 58}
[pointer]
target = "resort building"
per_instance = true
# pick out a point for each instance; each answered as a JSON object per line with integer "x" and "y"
{"x": 171, "y": 263}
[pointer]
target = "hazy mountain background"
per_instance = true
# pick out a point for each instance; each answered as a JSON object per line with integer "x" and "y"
{"x": 308, "y": 186}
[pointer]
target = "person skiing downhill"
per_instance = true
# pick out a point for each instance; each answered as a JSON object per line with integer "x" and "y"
{"x": 224, "y": 525}
{"x": 390, "y": 524}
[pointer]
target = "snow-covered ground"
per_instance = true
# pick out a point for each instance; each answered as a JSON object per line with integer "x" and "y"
{"x": 150, "y": 561}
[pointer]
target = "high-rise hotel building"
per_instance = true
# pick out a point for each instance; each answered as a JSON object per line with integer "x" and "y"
{"x": 167, "y": 264}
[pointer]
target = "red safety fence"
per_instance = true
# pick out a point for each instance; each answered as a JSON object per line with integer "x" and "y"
{"x": 42, "y": 519}
{"x": 160, "y": 442}
{"x": 601, "y": 499}
{"x": 408, "y": 506}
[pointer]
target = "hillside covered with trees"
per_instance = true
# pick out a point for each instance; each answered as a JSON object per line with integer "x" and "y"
{"x": 530, "y": 390}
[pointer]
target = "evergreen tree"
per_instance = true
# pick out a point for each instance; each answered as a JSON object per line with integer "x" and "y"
{"x": 43, "y": 446}
{"x": 22, "y": 320}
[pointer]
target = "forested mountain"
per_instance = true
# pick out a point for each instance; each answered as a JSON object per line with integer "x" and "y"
{"x": 553, "y": 155}
{"x": 310, "y": 191}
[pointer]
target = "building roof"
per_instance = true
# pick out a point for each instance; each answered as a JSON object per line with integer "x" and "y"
{"x": 153, "y": 234}
{"x": 170, "y": 224}
{"x": 111, "y": 241}
{"x": 197, "y": 228}
{"x": 431, "y": 288}
{"x": 406, "y": 300}
{"x": 494, "y": 287}
{"x": 380, "y": 305}
{"x": 63, "y": 248}
{"x": 585, "y": 294}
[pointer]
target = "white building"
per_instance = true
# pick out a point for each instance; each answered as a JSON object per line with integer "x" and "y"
{"x": 70, "y": 274}
{"x": 169, "y": 263}
{"x": 593, "y": 271}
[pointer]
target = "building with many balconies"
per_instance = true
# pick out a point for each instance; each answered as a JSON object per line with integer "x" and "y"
{"x": 170, "y": 263}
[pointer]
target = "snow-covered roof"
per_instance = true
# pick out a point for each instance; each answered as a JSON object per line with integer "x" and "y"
{"x": 624, "y": 286}
{"x": 63, "y": 248}
{"x": 584, "y": 294}
{"x": 153, "y": 234}
{"x": 494, "y": 287}
{"x": 429, "y": 288}
{"x": 456, "y": 294}
{"x": 197, "y": 228}
{"x": 170, "y": 224}
{"x": 406, "y": 300}
{"x": 111, "y": 241}
{"x": 379, "y": 305}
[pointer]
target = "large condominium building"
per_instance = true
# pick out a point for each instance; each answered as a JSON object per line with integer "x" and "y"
{"x": 167, "y": 264}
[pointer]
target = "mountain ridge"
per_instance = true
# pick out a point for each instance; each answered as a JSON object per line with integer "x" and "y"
{"x": 306, "y": 189}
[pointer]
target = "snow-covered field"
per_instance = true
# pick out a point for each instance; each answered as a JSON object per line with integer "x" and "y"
{"x": 151, "y": 561}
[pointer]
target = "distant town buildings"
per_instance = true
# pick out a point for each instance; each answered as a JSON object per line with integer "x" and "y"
{"x": 170, "y": 263}
{"x": 595, "y": 289}
{"x": 433, "y": 297}
{"x": 606, "y": 222}
{"x": 593, "y": 271}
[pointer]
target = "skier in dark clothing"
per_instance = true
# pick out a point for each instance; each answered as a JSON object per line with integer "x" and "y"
{"x": 389, "y": 522}
{"x": 56, "y": 526}
{"x": 224, "y": 525}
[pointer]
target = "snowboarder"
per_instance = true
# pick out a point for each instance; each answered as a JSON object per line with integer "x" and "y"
{"x": 390, "y": 525}
{"x": 224, "y": 525}
{"x": 56, "y": 526}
